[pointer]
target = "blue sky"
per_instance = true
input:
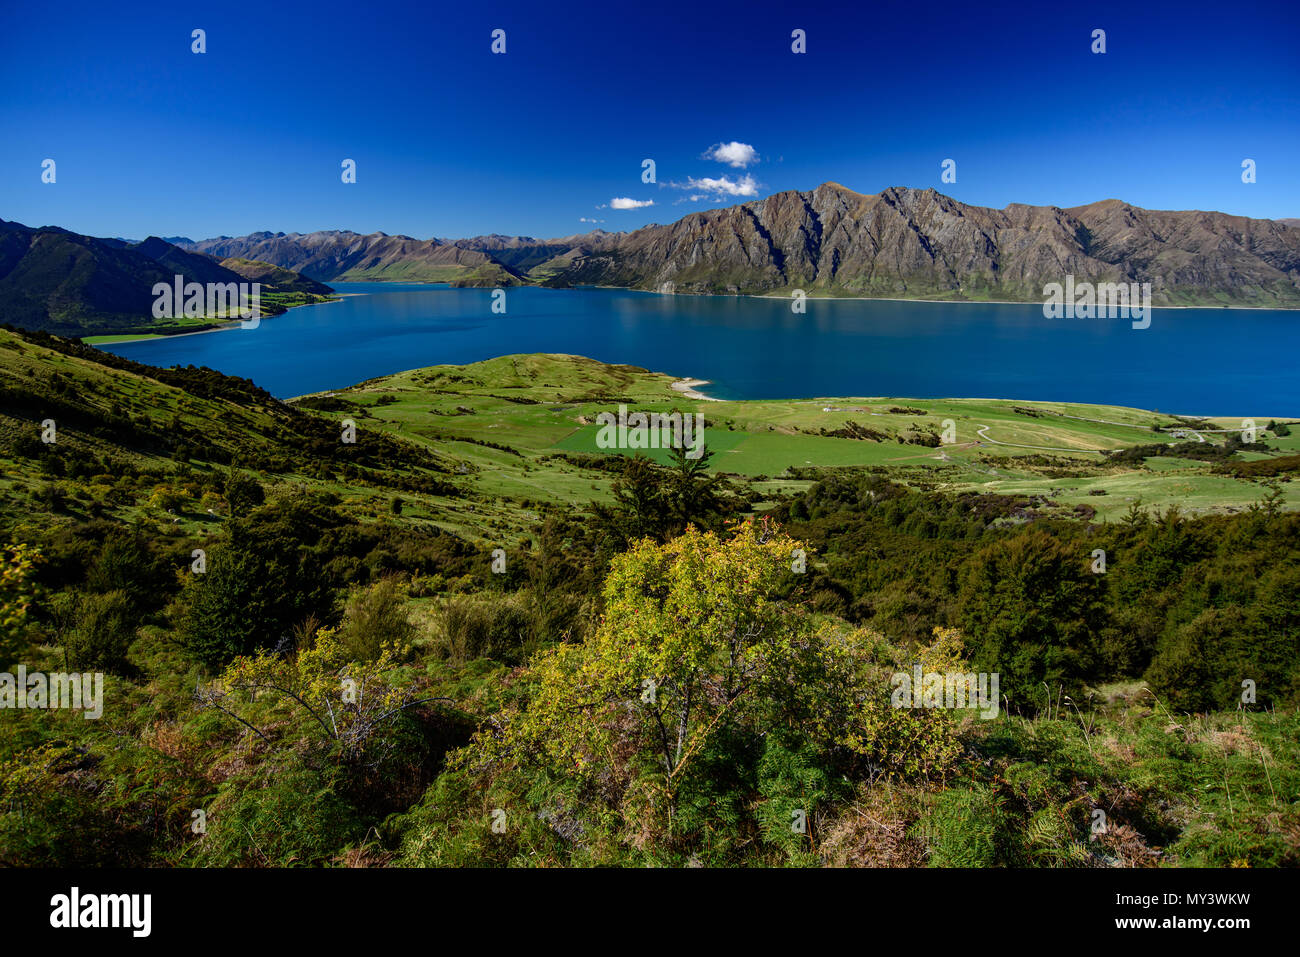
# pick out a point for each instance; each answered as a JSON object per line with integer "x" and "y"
{"x": 451, "y": 140}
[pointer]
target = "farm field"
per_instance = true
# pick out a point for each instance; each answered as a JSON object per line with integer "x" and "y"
{"x": 538, "y": 412}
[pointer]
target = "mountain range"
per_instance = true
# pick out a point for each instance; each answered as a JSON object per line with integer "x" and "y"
{"x": 62, "y": 282}
{"x": 909, "y": 243}
{"x": 830, "y": 241}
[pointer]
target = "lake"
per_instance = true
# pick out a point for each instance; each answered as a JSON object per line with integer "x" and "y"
{"x": 1190, "y": 361}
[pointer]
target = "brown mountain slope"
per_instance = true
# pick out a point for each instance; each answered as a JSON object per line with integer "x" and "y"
{"x": 275, "y": 278}
{"x": 832, "y": 241}
{"x": 344, "y": 255}
{"x": 911, "y": 243}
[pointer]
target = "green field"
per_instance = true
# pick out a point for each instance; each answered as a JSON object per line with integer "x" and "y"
{"x": 109, "y": 340}
{"x": 543, "y": 406}
{"x": 517, "y": 434}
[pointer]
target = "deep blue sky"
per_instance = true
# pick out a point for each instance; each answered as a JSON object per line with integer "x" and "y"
{"x": 453, "y": 141}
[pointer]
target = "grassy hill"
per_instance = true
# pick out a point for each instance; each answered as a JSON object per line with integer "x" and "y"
{"x": 124, "y": 430}
{"x": 516, "y": 434}
{"x": 479, "y": 566}
{"x": 543, "y": 409}
{"x": 276, "y": 278}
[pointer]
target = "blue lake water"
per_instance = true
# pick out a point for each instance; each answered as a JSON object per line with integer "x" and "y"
{"x": 1190, "y": 361}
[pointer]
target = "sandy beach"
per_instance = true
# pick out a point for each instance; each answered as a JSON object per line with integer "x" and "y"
{"x": 687, "y": 388}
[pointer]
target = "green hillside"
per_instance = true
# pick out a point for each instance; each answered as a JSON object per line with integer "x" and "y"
{"x": 498, "y": 590}
{"x": 545, "y": 408}
{"x": 60, "y": 282}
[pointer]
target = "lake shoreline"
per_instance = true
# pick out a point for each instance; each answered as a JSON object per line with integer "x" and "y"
{"x": 687, "y": 388}
{"x": 227, "y": 327}
{"x": 748, "y": 348}
{"x": 949, "y": 302}
{"x": 145, "y": 337}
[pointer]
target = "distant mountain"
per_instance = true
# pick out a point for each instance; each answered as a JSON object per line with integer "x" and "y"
{"x": 344, "y": 256}
{"x": 349, "y": 256}
{"x": 65, "y": 283}
{"x": 275, "y": 278}
{"x": 174, "y": 240}
{"x": 832, "y": 241}
{"x": 909, "y": 243}
{"x": 193, "y": 266}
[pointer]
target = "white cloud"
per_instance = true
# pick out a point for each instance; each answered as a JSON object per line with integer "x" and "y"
{"x": 622, "y": 202}
{"x": 584, "y": 219}
{"x": 738, "y": 155}
{"x": 722, "y": 186}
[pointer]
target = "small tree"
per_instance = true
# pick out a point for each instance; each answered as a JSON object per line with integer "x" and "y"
{"x": 693, "y": 642}
{"x": 251, "y": 597}
{"x": 694, "y": 497}
{"x": 242, "y": 493}
{"x": 701, "y": 664}
{"x": 374, "y": 621}
{"x": 166, "y": 498}
{"x": 102, "y": 632}
{"x": 346, "y": 702}
{"x": 1033, "y": 611}
{"x": 640, "y": 508}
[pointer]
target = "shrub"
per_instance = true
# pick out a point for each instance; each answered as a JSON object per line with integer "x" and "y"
{"x": 102, "y": 631}
{"x": 258, "y": 586}
{"x": 282, "y": 816}
{"x": 468, "y": 628}
{"x": 374, "y": 620}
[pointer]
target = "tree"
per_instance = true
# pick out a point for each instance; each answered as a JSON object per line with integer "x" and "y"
{"x": 17, "y": 592}
{"x": 242, "y": 492}
{"x": 102, "y": 631}
{"x": 1032, "y": 608}
{"x": 1273, "y": 499}
{"x": 639, "y": 509}
{"x": 694, "y": 643}
{"x": 704, "y": 695}
{"x": 651, "y": 501}
{"x": 691, "y": 637}
{"x": 693, "y": 496}
{"x": 348, "y": 703}
{"x": 166, "y": 498}
{"x": 258, "y": 585}
{"x": 125, "y": 563}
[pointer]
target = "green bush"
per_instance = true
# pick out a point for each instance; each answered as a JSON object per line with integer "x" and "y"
{"x": 374, "y": 619}
{"x": 102, "y": 631}
{"x": 280, "y": 817}
{"x": 502, "y": 628}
